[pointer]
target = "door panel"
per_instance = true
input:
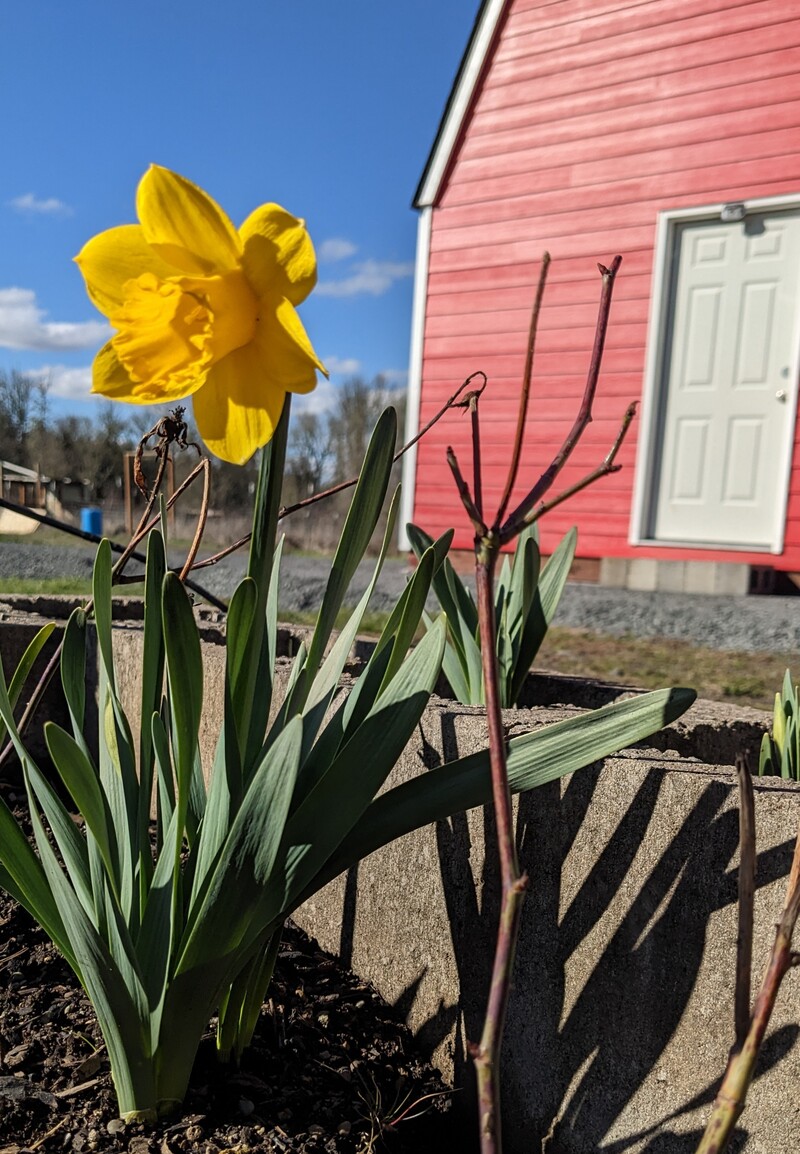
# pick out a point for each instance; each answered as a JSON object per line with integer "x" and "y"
{"x": 725, "y": 392}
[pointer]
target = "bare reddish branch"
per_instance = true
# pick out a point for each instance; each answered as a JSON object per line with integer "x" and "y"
{"x": 747, "y": 887}
{"x": 287, "y": 510}
{"x": 342, "y": 486}
{"x": 516, "y": 521}
{"x": 524, "y": 398}
{"x": 729, "y": 1102}
{"x": 606, "y": 467}
{"x": 466, "y": 497}
{"x": 487, "y": 547}
{"x": 513, "y": 884}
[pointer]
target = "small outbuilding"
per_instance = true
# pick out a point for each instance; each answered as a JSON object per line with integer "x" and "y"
{"x": 667, "y": 131}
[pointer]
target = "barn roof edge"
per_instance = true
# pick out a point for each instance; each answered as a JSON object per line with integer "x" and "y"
{"x": 459, "y": 101}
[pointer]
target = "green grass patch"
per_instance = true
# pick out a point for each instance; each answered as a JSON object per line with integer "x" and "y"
{"x": 649, "y": 663}
{"x": 46, "y": 586}
{"x": 654, "y": 662}
{"x": 67, "y": 586}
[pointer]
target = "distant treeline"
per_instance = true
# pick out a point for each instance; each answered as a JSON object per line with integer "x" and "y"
{"x": 324, "y": 447}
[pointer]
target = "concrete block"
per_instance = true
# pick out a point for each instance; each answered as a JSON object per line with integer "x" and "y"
{"x": 614, "y": 572}
{"x": 671, "y": 576}
{"x": 643, "y": 573}
{"x": 731, "y": 579}
{"x": 701, "y": 577}
{"x": 621, "y": 1016}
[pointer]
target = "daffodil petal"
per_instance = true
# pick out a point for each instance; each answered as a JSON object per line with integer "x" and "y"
{"x": 239, "y": 406}
{"x": 108, "y": 261}
{"x": 283, "y": 344}
{"x": 279, "y": 258}
{"x": 184, "y": 224}
{"x": 110, "y": 378}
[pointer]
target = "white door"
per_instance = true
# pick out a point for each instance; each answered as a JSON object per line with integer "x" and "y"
{"x": 728, "y": 393}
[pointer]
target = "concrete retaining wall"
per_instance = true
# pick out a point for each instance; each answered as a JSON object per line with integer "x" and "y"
{"x": 621, "y": 1015}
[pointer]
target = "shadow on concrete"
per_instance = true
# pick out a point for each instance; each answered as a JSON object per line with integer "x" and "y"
{"x": 583, "y": 1069}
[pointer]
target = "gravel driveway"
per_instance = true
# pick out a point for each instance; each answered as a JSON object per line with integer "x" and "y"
{"x": 745, "y": 623}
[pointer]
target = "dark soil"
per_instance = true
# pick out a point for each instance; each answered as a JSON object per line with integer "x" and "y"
{"x": 331, "y": 1069}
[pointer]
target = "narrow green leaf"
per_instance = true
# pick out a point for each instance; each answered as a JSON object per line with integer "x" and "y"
{"x": 164, "y": 775}
{"x": 241, "y": 1008}
{"x": 454, "y": 672}
{"x": 342, "y": 794}
{"x": 73, "y": 672}
{"x": 185, "y": 673}
{"x": 326, "y": 680}
{"x": 358, "y": 528}
{"x": 26, "y": 662}
{"x": 235, "y": 896}
{"x": 159, "y": 933}
{"x": 152, "y": 670}
{"x": 450, "y": 592}
{"x": 80, "y": 777}
{"x": 119, "y": 1009}
{"x": 24, "y": 879}
{"x": 545, "y": 602}
{"x": 536, "y": 758}
{"x": 101, "y": 589}
{"x": 555, "y": 573}
{"x": 71, "y": 846}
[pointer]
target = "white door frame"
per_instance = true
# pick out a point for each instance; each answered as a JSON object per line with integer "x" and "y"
{"x": 642, "y": 511}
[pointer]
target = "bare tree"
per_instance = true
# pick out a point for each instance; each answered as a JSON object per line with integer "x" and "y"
{"x": 358, "y": 405}
{"x": 309, "y": 453}
{"x": 23, "y": 407}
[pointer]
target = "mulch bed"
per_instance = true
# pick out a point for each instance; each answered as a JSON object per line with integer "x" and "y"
{"x": 331, "y": 1069}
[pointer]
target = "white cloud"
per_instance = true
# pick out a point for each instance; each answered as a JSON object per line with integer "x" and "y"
{"x": 70, "y": 384}
{"x": 318, "y": 401}
{"x": 40, "y": 206}
{"x": 395, "y": 378}
{"x": 336, "y": 248}
{"x": 22, "y": 325}
{"x": 373, "y": 277}
{"x": 348, "y": 365}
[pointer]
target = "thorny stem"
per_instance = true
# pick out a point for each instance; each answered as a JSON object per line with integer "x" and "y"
{"x": 729, "y": 1102}
{"x": 524, "y": 397}
{"x": 516, "y": 520}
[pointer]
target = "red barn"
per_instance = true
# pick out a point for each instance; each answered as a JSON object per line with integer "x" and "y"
{"x": 667, "y": 131}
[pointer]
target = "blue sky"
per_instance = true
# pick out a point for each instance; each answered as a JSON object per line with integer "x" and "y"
{"x": 327, "y": 108}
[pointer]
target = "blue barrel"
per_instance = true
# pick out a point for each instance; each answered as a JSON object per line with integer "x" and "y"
{"x": 92, "y": 520}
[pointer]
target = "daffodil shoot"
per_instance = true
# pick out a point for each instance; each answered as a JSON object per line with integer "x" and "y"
{"x": 203, "y": 309}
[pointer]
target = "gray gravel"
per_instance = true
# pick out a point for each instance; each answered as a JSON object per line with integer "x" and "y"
{"x": 744, "y": 623}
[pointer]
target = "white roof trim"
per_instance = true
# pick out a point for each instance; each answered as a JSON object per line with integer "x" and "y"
{"x": 415, "y": 375}
{"x": 460, "y": 100}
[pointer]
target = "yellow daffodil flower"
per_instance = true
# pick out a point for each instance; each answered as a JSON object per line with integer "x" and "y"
{"x": 203, "y": 310}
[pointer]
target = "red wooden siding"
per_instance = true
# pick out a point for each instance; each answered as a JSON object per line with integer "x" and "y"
{"x": 593, "y": 116}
